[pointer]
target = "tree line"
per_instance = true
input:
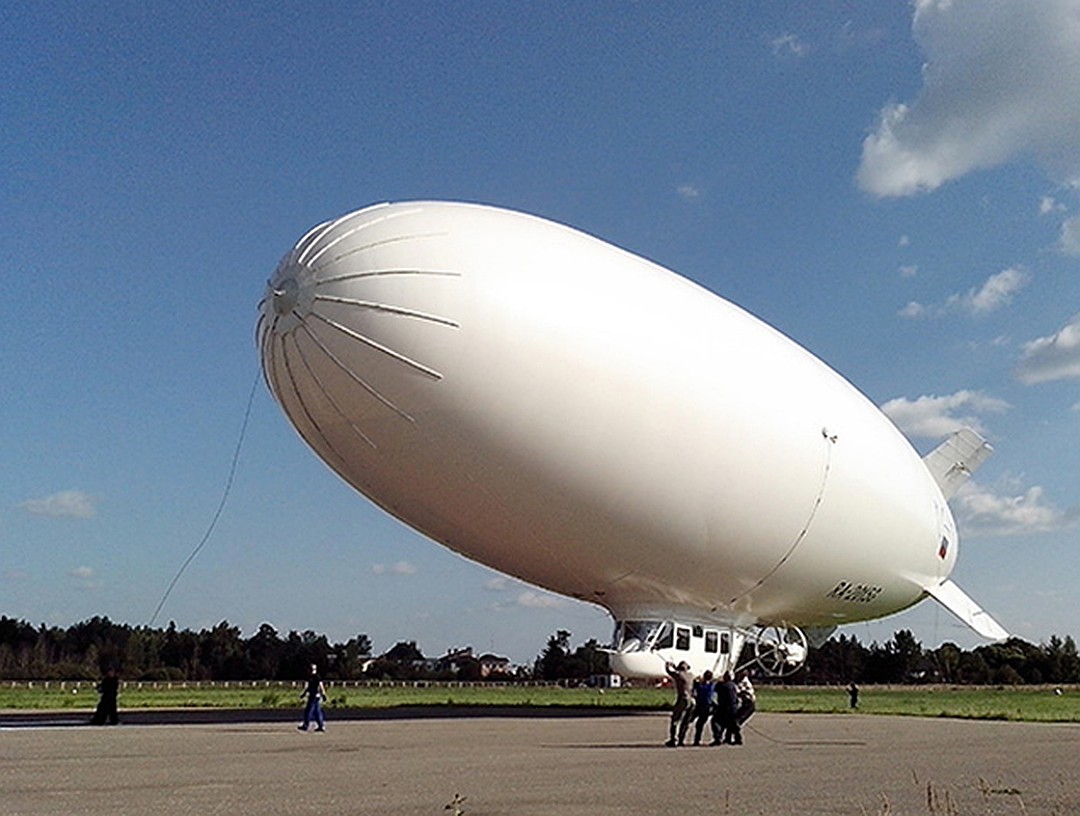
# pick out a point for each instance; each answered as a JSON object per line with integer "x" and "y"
{"x": 85, "y": 650}
{"x": 902, "y": 659}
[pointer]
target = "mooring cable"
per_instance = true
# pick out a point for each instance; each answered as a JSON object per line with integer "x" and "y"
{"x": 221, "y": 504}
{"x": 800, "y": 743}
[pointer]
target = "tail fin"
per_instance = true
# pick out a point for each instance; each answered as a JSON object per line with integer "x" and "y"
{"x": 953, "y": 461}
{"x": 951, "y": 464}
{"x": 957, "y": 601}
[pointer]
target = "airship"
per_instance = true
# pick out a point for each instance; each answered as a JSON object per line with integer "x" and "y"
{"x": 568, "y": 413}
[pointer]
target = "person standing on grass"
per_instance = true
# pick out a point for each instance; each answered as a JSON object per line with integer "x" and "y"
{"x": 853, "y": 695}
{"x": 315, "y": 693}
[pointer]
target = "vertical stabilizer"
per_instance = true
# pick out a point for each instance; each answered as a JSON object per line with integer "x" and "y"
{"x": 953, "y": 461}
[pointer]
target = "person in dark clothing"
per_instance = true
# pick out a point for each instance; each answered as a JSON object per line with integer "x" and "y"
{"x": 853, "y": 695}
{"x": 724, "y": 726}
{"x": 704, "y": 694}
{"x": 315, "y": 693}
{"x": 109, "y": 689}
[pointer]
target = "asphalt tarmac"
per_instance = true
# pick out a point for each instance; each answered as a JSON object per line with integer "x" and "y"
{"x": 485, "y": 762}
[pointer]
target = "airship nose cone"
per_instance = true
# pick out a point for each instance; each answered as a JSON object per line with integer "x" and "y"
{"x": 355, "y": 321}
{"x": 284, "y": 295}
{"x": 289, "y": 295}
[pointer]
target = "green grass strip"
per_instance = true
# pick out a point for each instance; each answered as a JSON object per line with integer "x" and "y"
{"x": 1020, "y": 703}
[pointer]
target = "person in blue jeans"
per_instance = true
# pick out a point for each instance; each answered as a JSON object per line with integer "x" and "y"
{"x": 704, "y": 697}
{"x": 315, "y": 693}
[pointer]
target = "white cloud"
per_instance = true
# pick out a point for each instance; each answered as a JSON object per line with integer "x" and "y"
{"x": 1069, "y": 240}
{"x": 789, "y": 44}
{"x": 1001, "y": 79}
{"x": 932, "y": 417}
{"x": 65, "y": 504}
{"x": 909, "y": 271}
{"x": 1048, "y": 204}
{"x": 538, "y": 600}
{"x": 995, "y": 292}
{"x": 85, "y": 578}
{"x": 1056, "y": 357}
{"x": 398, "y": 568}
{"x": 913, "y": 311}
{"x": 497, "y": 584}
{"x": 688, "y": 192}
{"x": 982, "y": 511}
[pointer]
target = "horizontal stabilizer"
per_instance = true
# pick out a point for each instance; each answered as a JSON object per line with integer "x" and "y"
{"x": 956, "y": 601}
{"x": 953, "y": 461}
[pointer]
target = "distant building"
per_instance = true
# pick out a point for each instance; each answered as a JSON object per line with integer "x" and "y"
{"x": 457, "y": 661}
{"x": 465, "y": 664}
{"x": 495, "y": 667}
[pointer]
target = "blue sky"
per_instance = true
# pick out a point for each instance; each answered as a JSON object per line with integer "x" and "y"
{"x": 893, "y": 185}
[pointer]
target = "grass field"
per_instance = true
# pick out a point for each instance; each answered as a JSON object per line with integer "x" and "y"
{"x": 1032, "y": 704}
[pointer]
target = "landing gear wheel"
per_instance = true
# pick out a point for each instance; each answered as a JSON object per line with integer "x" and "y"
{"x": 780, "y": 650}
